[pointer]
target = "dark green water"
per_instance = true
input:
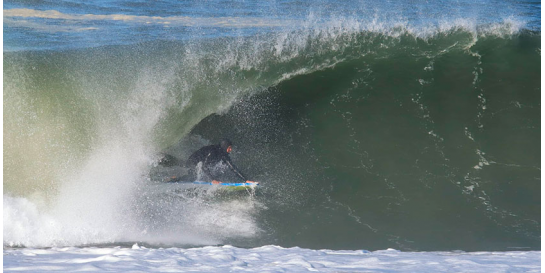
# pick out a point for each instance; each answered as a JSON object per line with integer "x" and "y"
{"x": 413, "y": 146}
{"x": 361, "y": 140}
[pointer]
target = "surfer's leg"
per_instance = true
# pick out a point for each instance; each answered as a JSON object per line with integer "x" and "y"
{"x": 190, "y": 176}
{"x": 169, "y": 160}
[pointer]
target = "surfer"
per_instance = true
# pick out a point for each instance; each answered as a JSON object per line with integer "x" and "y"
{"x": 213, "y": 161}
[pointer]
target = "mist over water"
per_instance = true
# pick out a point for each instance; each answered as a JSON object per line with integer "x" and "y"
{"x": 418, "y": 133}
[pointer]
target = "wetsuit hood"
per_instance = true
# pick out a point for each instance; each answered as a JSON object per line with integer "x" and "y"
{"x": 225, "y": 143}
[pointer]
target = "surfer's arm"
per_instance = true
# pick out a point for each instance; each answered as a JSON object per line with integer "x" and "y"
{"x": 235, "y": 169}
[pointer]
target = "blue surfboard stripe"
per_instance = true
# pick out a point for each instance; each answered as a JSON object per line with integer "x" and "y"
{"x": 226, "y": 183}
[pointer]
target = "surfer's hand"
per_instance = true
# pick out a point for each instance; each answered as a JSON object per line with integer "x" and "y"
{"x": 215, "y": 182}
{"x": 248, "y": 181}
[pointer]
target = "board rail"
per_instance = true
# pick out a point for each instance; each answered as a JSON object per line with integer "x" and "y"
{"x": 227, "y": 184}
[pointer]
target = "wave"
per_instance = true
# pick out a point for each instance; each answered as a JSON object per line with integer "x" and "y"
{"x": 24, "y": 13}
{"x": 353, "y": 129}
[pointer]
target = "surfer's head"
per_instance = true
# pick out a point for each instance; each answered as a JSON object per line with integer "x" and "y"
{"x": 226, "y": 145}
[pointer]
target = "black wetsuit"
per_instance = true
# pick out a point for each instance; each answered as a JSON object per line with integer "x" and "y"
{"x": 210, "y": 156}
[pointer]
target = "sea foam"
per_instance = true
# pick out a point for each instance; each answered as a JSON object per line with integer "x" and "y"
{"x": 264, "y": 259}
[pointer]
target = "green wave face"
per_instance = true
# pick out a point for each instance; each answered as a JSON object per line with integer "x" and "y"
{"x": 390, "y": 136}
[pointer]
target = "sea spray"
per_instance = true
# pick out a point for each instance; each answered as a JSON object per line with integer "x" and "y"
{"x": 344, "y": 121}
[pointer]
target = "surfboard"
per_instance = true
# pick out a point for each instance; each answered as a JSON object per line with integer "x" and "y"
{"x": 231, "y": 186}
{"x": 255, "y": 184}
{"x": 228, "y": 186}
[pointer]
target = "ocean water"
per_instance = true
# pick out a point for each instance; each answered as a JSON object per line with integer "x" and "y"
{"x": 411, "y": 125}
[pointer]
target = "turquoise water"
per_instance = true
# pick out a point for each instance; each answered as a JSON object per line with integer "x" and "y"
{"x": 369, "y": 125}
